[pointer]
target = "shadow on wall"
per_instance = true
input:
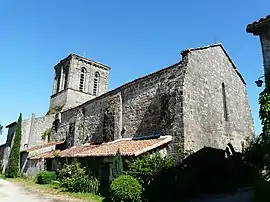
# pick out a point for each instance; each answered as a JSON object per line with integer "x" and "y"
{"x": 207, "y": 171}
{"x": 31, "y": 167}
{"x": 159, "y": 116}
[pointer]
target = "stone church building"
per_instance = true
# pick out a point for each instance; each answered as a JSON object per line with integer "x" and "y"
{"x": 200, "y": 101}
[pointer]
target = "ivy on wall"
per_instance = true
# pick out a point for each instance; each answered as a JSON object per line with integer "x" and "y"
{"x": 14, "y": 158}
{"x": 46, "y": 134}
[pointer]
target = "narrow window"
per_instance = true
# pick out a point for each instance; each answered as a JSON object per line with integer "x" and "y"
{"x": 96, "y": 81}
{"x": 225, "y": 109}
{"x": 58, "y": 83}
{"x": 83, "y": 71}
{"x": 66, "y": 80}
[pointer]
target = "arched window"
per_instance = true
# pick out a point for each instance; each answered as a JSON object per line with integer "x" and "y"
{"x": 96, "y": 82}
{"x": 82, "y": 78}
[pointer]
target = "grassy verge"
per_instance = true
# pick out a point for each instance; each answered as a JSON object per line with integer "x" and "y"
{"x": 54, "y": 190}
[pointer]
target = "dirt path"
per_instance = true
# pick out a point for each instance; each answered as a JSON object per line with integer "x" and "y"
{"x": 13, "y": 193}
{"x": 10, "y": 192}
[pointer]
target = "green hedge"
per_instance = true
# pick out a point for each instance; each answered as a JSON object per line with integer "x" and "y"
{"x": 125, "y": 188}
{"x": 46, "y": 177}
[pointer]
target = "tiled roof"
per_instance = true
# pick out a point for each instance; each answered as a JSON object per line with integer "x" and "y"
{"x": 42, "y": 146}
{"x": 9, "y": 125}
{"x": 46, "y": 155}
{"x": 253, "y": 28}
{"x": 127, "y": 147}
{"x": 71, "y": 152}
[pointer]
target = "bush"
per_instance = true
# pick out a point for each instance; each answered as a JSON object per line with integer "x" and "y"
{"x": 45, "y": 177}
{"x": 147, "y": 167}
{"x": 261, "y": 190}
{"x": 125, "y": 188}
{"x": 77, "y": 179}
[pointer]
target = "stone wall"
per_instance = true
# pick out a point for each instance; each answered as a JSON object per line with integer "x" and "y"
{"x": 214, "y": 115}
{"x": 7, "y": 147}
{"x": 68, "y": 99}
{"x": 38, "y": 126}
{"x": 58, "y": 100}
{"x": 26, "y": 130}
{"x": 68, "y": 72}
{"x": 145, "y": 107}
{"x": 32, "y": 130}
{"x": 75, "y": 72}
{"x": 32, "y": 167}
{"x": 186, "y": 98}
{"x": 265, "y": 43}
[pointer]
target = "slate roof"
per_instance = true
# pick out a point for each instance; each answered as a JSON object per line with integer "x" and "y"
{"x": 126, "y": 146}
{"x": 254, "y": 27}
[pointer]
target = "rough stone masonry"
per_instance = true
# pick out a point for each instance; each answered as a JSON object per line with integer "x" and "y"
{"x": 200, "y": 101}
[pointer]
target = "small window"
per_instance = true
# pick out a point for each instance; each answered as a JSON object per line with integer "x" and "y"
{"x": 82, "y": 79}
{"x": 58, "y": 82}
{"x": 225, "y": 107}
{"x": 96, "y": 83}
{"x": 66, "y": 80}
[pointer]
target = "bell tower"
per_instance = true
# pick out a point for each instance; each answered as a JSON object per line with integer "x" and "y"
{"x": 77, "y": 80}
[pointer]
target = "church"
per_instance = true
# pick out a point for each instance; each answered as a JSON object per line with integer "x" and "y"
{"x": 200, "y": 101}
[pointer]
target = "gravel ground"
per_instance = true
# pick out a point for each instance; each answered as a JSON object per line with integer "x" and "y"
{"x": 10, "y": 192}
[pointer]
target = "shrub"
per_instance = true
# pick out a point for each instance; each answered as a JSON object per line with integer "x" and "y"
{"x": 77, "y": 179}
{"x": 45, "y": 177}
{"x": 117, "y": 166}
{"x": 14, "y": 159}
{"x": 261, "y": 190}
{"x": 147, "y": 167}
{"x": 125, "y": 188}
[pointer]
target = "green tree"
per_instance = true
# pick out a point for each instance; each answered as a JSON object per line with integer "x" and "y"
{"x": 1, "y": 129}
{"x": 14, "y": 158}
{"x": 117, "y": 167}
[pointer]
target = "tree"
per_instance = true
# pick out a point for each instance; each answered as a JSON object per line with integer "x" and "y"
{"x": 258, "y": 153}
{"x": 1, "y": 129}
{"x": 117, "y": 167}
{"x": 14, "y": 158}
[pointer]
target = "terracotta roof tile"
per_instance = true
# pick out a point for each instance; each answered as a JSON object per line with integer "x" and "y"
{"x": 71, "y": 152}
{"x": 42, "y": 146}
{"x": 46, "y": 155}
{"x": 127, "y": 147}
{"x": 252, "y": 28}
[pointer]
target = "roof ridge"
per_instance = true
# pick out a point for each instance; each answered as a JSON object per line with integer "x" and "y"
{"x": 252, "y": 28}
{"x": 201, "y": 47}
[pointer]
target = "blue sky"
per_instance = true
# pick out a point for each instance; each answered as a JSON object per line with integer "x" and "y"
{"x": 133, "y": 37}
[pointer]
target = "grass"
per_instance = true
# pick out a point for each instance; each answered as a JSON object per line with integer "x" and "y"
{"x": 54, "y": 190}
